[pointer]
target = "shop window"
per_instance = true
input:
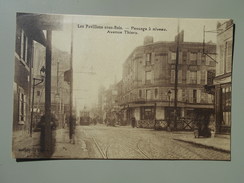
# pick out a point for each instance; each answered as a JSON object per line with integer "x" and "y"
{"x": 226, "y": 105}
{"x": 147, "y": 113}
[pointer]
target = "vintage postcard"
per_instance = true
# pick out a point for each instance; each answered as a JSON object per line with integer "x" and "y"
{"x": 107, "y": 87}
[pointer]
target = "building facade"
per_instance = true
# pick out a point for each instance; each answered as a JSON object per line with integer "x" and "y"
{"x": 223, "y": 79}
{"x": 146, "y": 91}
{"x": 24, "y": 51}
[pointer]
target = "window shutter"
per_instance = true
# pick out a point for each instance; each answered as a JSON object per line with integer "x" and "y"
{"x": 187, "y": 77}
{"x": 198, "y": 77}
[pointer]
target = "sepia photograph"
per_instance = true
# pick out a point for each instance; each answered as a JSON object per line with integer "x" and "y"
{"x": 125, "y": 88}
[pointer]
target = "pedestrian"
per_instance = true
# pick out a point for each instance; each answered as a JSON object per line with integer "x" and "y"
{"x": 133, "y": 122}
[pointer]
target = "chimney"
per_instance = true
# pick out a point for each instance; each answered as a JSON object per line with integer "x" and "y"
{"x": 148, "y": 40}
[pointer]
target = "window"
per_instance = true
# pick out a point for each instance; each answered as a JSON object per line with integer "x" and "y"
{"x": 38, "y": 93}
{"x": 198, "y": 77}
{"x": 221, "y": 59}
{"x": 193, "y": 77}
{"x": 148, "y": 94}
{"x": 140, "y": 93}
{"x": 173, "y": 56}
{"x": 179, "y": 94}
{"x": 194, "y": 96}
{"x": 193, "y": 56}
{"x": 203, "y": 77}
{"x": 190, "y": 96}
{"x": 156, "y": 93}
{"x": 198, "y": 96}
{"x": 148, "y": 77}
{"x": 22, "y": 106}
{"x": 24, "y": 46}
{"x": 228, "y": 56}
{"x": 148, "y": 58}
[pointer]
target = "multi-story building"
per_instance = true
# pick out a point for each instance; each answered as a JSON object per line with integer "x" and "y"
{"x": 148, "y": 83}
{"x": 25, "y": 37}
{"x": 29, "y": 31}
{"x": 222, "y": 81}
{"x": 110, "y": 99}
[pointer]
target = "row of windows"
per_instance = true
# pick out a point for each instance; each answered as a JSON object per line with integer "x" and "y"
{"x": 195, "y": 58}
{"x": 183, "y": 95}
{"x": 225, "y": 57}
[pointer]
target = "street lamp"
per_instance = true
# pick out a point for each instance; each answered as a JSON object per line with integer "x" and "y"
{"x": 168, "y": 123}
{"x": 42, "y": 71}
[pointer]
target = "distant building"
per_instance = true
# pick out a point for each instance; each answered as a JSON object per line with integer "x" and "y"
{"x": 60, "y": 90}
{"x": 147, "y": 87}
{"x": 223, "y": 78}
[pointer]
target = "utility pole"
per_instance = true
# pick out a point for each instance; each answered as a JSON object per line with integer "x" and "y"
{"x": 47, "y": 131}
{"x": 57, "y": 93}
{"x": 71, "y": 121}
{"x": 176, "y": 76}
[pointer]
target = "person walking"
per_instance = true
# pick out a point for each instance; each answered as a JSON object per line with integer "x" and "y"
{"x": 133, "y": 122}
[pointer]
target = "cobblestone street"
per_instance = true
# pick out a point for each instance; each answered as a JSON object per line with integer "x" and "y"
{"x": 124, "y": 142}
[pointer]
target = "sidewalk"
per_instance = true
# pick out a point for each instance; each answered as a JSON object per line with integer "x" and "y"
{"x": 219, "y": 142}
{"x": 66, "y": 149}
{"x": 24, "y": 146}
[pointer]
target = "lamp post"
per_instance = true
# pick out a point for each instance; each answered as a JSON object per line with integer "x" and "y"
{"x": 169, "y": 119}
{"x": 42, "y": 71}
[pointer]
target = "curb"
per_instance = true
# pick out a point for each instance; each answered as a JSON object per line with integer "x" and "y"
{"x": 203, "y": 145}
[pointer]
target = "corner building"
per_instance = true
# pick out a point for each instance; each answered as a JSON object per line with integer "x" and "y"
{"x": 223, "y": 79}
{"x": 147, "y": 88}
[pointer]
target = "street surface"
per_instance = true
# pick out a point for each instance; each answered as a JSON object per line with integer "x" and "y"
{"x": 125, "y": 142}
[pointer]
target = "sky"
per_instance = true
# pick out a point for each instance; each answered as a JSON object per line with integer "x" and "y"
{"x": 98, "y": 55}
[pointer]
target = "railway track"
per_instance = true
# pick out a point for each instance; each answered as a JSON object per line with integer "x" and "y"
{"x": 105, "y": 153}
